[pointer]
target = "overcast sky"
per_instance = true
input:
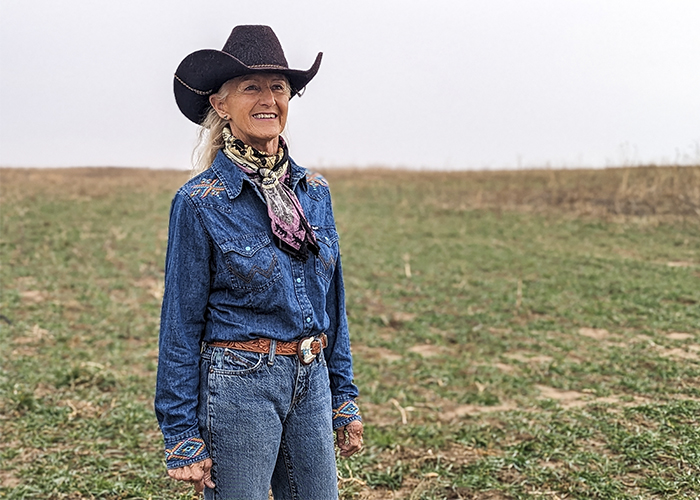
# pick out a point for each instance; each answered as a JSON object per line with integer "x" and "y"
{"x": 440, "y": 84}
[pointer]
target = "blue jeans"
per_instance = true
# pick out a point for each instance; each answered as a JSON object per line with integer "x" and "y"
{"x": 266, "y": 420}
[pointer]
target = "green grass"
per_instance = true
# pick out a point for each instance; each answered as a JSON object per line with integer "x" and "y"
{"x": 543, "y": 350}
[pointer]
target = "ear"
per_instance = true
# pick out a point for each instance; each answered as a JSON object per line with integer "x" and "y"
{"x": 219, "y": 106}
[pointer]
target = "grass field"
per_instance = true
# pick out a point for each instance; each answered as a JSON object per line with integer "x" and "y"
{"x": 515, "y": 334}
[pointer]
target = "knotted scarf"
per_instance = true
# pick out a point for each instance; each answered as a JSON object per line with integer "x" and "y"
{"x": 270, "y": 173}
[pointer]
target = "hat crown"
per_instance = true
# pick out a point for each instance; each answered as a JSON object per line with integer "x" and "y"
{"x": 255, "y": 45}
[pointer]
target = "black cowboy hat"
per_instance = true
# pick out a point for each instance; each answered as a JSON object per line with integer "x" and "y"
{"x": 249, "y": 49}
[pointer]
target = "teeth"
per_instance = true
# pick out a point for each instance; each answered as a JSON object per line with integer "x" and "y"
{"x": 265, "y": 115}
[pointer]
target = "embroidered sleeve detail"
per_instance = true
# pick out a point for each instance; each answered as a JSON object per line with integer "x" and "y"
{"x": 314, "y": 179}
{"x": 348, "y": 410}
{"x": 207, "y": 187}
{"x": 185, "y": 450}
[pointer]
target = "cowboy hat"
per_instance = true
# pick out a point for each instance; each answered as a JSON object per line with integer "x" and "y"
{"x": 249, "y": 49}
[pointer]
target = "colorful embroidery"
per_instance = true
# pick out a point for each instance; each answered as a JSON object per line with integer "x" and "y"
{"x": 314, "y": 179}
{"x": 185, "y": 450}
{"x": 207, "y": 187}
{"x": 346, "y": 410}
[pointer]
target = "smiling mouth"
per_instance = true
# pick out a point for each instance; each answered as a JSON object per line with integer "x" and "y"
{"x": 264, "y": 116}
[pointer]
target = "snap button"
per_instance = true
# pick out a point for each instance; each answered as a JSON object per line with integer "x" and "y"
{"x": 308, "y": 320}
{"x": 298, "y": 280}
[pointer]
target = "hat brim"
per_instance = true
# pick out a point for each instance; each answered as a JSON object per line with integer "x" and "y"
{"x": 203, "y": 72}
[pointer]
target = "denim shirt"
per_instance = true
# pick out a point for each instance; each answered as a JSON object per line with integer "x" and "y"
{"x": 225, "y": 280}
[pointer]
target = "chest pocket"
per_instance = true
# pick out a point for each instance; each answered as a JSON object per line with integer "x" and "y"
{"x": 252, "y": 262}
{"x": 327, "y": 258}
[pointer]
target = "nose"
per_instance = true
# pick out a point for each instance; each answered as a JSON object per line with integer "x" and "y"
{"x": 267, "y": 96}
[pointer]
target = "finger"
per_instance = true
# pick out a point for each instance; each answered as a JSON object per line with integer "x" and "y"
{"x": 208, "y": 482}
{"x": 180, "y": 474}
{"x": 198, "y": 486}
{"x": 196, "y": 472}
{"x": 340, "y": 437}
{"x": 355, "y": 427}
{"x": 351, "y": 449}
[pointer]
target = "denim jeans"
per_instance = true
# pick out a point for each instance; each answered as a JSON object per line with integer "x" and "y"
{"x": 266, "y": 420}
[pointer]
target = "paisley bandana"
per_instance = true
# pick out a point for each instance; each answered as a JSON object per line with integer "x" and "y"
{"x": 270, "y": 173}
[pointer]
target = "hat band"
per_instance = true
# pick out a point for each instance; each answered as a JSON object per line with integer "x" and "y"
{"x": 268, "y": 66}
{"x": 199, "y": 92}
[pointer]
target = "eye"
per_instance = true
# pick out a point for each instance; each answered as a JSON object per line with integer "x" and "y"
{"x": 251, "y": 89}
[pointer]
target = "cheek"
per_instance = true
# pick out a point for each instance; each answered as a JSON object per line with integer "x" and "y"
{"x": 283, "y": 115}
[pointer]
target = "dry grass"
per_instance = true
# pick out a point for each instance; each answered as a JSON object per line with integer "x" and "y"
{"x": 84, "y": 183}
{"x": 639, "y": 191}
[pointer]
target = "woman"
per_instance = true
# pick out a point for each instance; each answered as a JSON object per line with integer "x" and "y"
{"x": 255, "y": 370}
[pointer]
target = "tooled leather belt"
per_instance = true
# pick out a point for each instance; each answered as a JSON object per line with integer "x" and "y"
{"x": 306, "y": 349}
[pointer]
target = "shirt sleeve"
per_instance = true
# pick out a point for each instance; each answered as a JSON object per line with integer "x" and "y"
{"x": 183, "y": 317}
{"x": 338, "y": 355}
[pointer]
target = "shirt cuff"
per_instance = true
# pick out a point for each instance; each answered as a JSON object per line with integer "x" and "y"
{"x": 345, "y": 410}
{"x": 185, "y": 451}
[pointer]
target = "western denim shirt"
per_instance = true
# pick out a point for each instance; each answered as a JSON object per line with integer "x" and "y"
{"x": 225, "y": 280}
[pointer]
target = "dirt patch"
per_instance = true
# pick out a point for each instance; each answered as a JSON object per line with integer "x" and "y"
{"x": 576, "y": 399}
{"x": 500, "y": 366}
{"x": 375, "y": 353}
{"x": 623, "y": 401}
{"x": 8, "y": 479}
{"x": 680, "y": 263}
{"x": 678, "y": 353}
{"x": 565, "y": 398}
{"x": 454, "y": 413}
{"x": 32, "y": 296}
{"x": 679, "y": 336}
{"x": 427, "y": 350}
{"x": 500, "y": 331}
{"x": 528, "y": 358}
{"x": 594, "y": 333}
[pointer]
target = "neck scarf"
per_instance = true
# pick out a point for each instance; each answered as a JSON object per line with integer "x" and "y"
{"x": 270, "y": 173}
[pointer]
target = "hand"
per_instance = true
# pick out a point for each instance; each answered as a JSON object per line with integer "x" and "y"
{"x": 199, "y": 474}
{"x": 349, "y": 438}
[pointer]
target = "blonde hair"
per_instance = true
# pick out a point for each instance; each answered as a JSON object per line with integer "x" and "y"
{"x": 209, "y": 137}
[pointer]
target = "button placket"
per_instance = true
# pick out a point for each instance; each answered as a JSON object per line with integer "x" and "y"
{"x": 304, "y": 303}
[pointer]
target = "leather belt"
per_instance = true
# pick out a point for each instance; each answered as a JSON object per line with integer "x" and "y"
{"x": 306, "y": 349}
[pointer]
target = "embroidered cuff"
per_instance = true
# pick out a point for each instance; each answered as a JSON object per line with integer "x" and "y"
{"x": 346, "y": 412}
{"x": 185, "y": 452}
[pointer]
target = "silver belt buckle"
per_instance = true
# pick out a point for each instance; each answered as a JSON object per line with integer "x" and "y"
{"x": 306, "y": 356}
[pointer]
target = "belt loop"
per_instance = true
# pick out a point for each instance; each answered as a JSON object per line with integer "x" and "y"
{"x": 271, "y": 354}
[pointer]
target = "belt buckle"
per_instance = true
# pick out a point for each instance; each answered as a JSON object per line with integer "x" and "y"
{"x": 304, "y": 350}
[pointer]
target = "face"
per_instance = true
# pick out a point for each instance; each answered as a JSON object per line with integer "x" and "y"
{"x": 256, "y": 106}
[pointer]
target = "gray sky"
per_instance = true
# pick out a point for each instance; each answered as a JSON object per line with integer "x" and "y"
{"x": 442, "y": 84}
